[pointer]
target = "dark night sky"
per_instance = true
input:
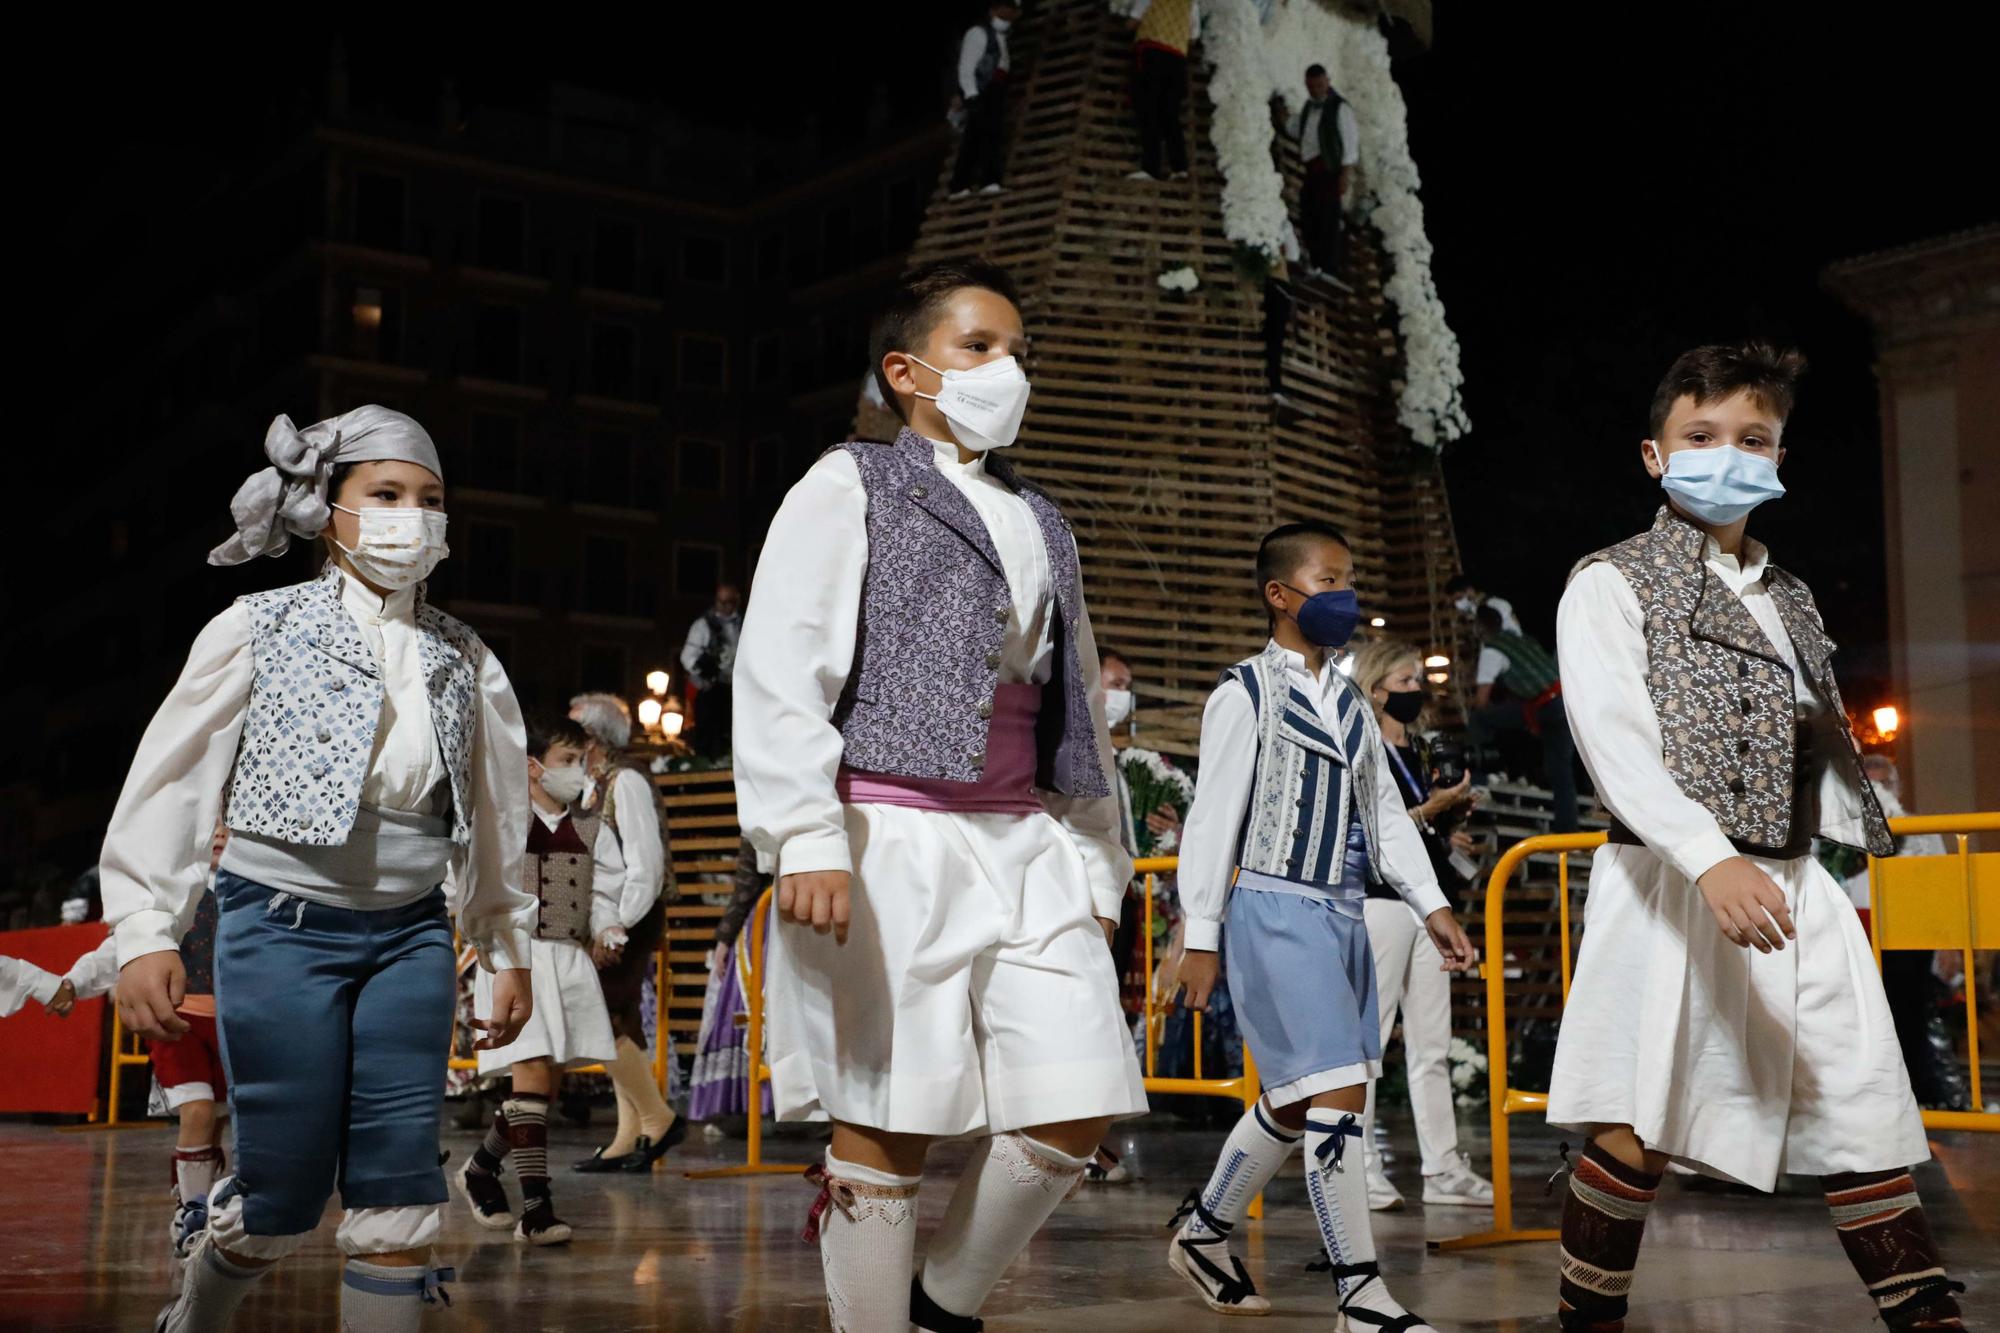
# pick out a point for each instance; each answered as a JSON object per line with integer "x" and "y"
{"x": 1604, "y": 188}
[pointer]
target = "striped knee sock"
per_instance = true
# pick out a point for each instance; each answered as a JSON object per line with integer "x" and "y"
{"x": 527, "y": 1121}
{"x": 1255, "y": 1152}
{"x": 1882, "y": 1227}
{"x": 1604, "y": 1219}
{"x": 493, "y": 1149}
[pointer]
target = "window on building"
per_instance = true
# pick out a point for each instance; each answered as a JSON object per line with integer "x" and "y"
{"x": 489, "y": 562}
{"x": 601, "y": 666}
{"x": 381, "y": 211}
{"x": 614, "y": 359}
{"x": 496, "y": 342}
{"x": 607, "y": 472}
{"x": 614, "y": 255}
{"x": 502, "y": 242}
{"x": 494, "y": 461}
{"x": 771, "y": 257}
{"x": 767, "y": 361}
{"x": 376, "y": 320}
{"x": 607, "y": 575}
{"x": 698, "y": 466}
{"x": 704, "y": 361}
{"x": 767, "y": 464}
{"x": 705, "y": 259}
{"x": 697, "y": 569}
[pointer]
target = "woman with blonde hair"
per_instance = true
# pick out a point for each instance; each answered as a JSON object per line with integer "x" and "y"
{"x": 1408, "y": 968}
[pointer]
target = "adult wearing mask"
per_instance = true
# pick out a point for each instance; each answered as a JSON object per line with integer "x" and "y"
{"x": 625, "y": 934}
{"x": 1467, "y": 597}
{"x": 1408, "y": 967}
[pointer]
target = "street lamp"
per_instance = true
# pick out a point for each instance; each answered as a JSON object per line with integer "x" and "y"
{"x": 657, "y": 681}
{"x": 649, "y": 713}
{"x": 1888, "y": 721}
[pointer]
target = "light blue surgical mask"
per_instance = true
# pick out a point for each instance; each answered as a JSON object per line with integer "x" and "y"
{"x": 1719, "y": 485}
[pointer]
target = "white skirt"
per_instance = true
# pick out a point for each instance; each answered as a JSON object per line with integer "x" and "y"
{"x": 570, "y": 1025}
{"x": 974, "y": 993}
{"x": 1736, "y": 1063}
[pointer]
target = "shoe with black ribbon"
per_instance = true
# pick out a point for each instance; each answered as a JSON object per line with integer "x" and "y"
{"x": 1206, "y": 1262}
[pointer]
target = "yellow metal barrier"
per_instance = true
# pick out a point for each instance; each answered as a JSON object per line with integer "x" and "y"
{"x": 1925, "y": 917}
{"x": 753, "y": 1163}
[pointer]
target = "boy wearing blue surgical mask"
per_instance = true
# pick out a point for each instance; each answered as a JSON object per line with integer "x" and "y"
{"x": 1295, "y": 812}
{"x": 921, "y": 748}
{"x": 1726, "y": 1014}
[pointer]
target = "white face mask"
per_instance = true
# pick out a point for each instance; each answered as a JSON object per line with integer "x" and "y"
{"x": 1466, "y": 606}
{"x": 397, "y": 547}
{"x": 564, "y": 784}
{"x": 1117, "y": 707}
{"x": 984, "y": 405}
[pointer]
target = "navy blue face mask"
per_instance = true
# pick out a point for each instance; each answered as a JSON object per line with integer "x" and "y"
{"x": 1329, "y": 619}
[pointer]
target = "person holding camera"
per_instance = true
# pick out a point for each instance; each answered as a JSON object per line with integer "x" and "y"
{"x": 1437, "y": 789}
{"x": 709, "y": 656}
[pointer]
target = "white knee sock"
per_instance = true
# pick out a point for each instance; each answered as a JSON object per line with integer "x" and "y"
{"x": 384, "y": 1298}
{"x": 1337, "y": 1186}
{"x": 1010, "y": 1187}
{"x": 1254, "y": 1153}
{"x": 867, "y": 1223}
{"x": 211, "y": 1289}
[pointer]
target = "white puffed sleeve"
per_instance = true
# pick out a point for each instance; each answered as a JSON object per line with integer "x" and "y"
{"x": 155, "y": 856}
{"x": 495, "y": 915}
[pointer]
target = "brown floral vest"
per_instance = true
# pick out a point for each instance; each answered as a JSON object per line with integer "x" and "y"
{"x": 558, "y": 871}
{"x": 1723, "y": 692}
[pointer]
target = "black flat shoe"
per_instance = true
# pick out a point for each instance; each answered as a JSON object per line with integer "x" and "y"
{"x": 648, "y": 1152}
{"x": 597, "y": 1163}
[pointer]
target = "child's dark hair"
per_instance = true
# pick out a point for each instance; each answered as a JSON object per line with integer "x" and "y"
{"x": 912, "y": 310}
{"x": 1765, "y": 372}
{"x": 1488, "y": 618}
{"x": 1284, "y": 549}
{"x": 1315, "y": 71}
{"x": 545, "y": 733}
{"x": 1113, "y": 655}
{"x": 1458, "y": 583}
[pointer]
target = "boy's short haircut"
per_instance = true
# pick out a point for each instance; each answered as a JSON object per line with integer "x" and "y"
{"x": 1113, "y": 655}
{"x": 1488, "y": 618}
{"x": 1284, "y": 549}
{"x": 1315, "y": 70}
{"x": 912, "y": 310}
{"x": 544, "y": 733}
{"x": 1706, "y": 374}
{"x": 1458, "y": 583}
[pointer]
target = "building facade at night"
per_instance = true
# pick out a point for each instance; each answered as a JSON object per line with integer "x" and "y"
{"x": 625, "y": 352}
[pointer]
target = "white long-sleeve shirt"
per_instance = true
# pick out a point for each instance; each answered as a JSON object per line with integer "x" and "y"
{"x": 798, "y": 648}
{"x": 972, "y": 50}
{"x": 1601, "y": 642}
{"x": 21, "y": 981}
{"x": 156, "y": 847}
{"x": 699, "y": 636}
{"x": 1222, "y": 799}
{"x": 1305, "y": 126}
{"x": 642, "y": 857}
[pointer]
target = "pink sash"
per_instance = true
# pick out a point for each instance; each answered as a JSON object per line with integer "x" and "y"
{"x": 1006, "y": 785}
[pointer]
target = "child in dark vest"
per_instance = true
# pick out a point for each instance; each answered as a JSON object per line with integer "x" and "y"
{"x": 1295, "y": 813}
{"x": 921, "y": 746}
{"x": 572, "y": 864}
{"x": 1726, "y": 1012}
{"x": 364, "y": 750}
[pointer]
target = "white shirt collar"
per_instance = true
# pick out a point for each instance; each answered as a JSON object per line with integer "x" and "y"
{"x": 1740, "y": 571}
{"x": 1296, "y": 661}
{"x": 368, "y": 608}
{"x": 549, "y": 821}
{"x": 945, "y": 454}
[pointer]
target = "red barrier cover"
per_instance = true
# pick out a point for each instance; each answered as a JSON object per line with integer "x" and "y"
{"x": 52, "y": 1063}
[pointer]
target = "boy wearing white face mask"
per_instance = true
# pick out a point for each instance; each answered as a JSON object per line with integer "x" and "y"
{"x": 1726, "y": 1013}
{"x": 921, "y": 746}
{"x": 364, "y": 750}
{"x": 575, "y": 870}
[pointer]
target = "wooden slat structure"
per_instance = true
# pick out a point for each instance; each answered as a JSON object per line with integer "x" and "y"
{"x": 1152, "y": 419}
{"x": 701, "y": 824}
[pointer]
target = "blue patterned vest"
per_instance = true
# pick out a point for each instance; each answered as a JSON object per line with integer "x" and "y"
{"x": 316, "y": 704}
{"x": 934, "y": 610}
{"x": 1313, "y": 788}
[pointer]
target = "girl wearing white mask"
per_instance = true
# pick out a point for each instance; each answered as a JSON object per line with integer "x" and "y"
{"x": 365, "y": 751}
{"x": 575, "y": 869}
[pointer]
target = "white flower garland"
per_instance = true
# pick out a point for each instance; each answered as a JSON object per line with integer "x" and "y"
{"x": 1157, "y": 764}
{"x": 1252, "y": 59}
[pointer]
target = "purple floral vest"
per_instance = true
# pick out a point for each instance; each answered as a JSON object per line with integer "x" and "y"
{"x": 934, "y": 610}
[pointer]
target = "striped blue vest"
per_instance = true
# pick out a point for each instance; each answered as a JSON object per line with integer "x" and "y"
{"x": 316, "y": 704}
{"x": 1312, "y": 787}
